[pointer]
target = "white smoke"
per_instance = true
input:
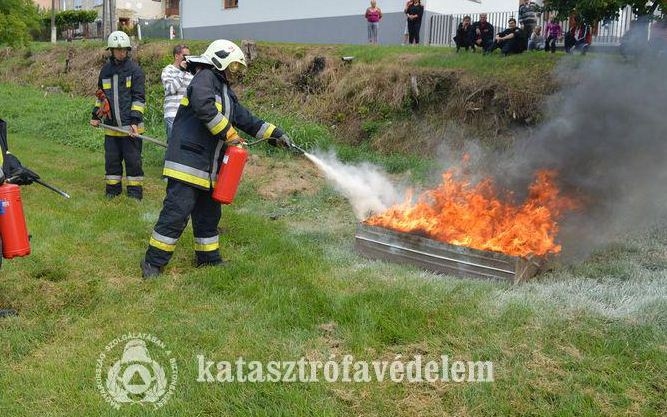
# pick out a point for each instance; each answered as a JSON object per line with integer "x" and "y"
{"x": 366, "y": 186}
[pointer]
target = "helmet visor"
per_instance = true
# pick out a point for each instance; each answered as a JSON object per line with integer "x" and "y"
{"x": 236, "y": 68}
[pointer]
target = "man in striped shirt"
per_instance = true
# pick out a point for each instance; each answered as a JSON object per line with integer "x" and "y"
{"x": 528, "y": 16}
{"x": 175, "y": 79}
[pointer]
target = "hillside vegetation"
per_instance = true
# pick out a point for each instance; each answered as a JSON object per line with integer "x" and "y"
{"x": 387, "y": 98}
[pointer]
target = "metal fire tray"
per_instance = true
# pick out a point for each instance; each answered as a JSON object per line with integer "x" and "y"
{"x": 406, "y": 248}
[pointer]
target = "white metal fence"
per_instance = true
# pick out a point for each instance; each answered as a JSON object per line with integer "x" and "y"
{"x": 442, "y": 28}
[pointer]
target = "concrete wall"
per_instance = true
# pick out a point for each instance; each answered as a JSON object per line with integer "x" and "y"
{"x": 336, "y": 30}
{"x": 305, "y": 21}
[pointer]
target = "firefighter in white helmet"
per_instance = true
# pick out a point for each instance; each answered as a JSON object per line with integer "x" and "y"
{"x": 206, "y": 122}
{"x": 120, "y": 103}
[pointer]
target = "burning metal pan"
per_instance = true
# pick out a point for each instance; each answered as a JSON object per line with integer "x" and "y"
{"x": 405, "y": 248}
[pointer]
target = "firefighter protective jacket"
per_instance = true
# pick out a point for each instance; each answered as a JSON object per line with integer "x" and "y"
{"x": 123, "y": 85}
{"x": 206, "y": 119}
{"x": 3, "y": 142}
{"x": 8, "y": 162}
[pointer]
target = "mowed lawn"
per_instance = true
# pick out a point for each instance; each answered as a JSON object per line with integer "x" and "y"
{"x": 589, "y": 339}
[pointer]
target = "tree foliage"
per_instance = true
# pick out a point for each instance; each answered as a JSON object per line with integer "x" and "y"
{"x": 17, "y": 19}
{"x": 69, "y": 19}
{"x": 598, "y": 10}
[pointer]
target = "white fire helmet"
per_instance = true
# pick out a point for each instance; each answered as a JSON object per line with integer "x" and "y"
{"x": 222, "y": 54}
{"x": 118, "y": 39}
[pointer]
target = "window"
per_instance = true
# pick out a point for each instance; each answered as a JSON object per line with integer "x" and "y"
{"x": 230, "y": 4}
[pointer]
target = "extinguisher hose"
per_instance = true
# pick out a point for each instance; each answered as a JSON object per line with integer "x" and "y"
{"x": 292, "y": 146}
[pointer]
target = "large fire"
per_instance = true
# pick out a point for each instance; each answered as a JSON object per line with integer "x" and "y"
{"x": 460, "y": 213}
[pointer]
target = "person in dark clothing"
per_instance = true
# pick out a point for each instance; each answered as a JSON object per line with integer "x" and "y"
{"x": 510, "y": 41}
{"x": 12, "y": 171}
{"x": 205, "y": 125}
{"x": 120, "y": 103}
{"x": 483, "y": 33}
{"x": 578, "y": 37}
{"x": 464, "y": 35}
{"x": 414, "y": 12}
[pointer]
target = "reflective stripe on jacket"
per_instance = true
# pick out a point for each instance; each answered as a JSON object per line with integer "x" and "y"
{"x": 207, "y": 117}
{"x": 123, "y": 85}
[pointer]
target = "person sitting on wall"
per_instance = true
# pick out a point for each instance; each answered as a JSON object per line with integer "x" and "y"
{"x": 509, "y": 41}
{"x": 483, "y": 33}
{"x": 464, "y": 35}
{"x": 536, "y": 41}
{"x": 578, "y": 37}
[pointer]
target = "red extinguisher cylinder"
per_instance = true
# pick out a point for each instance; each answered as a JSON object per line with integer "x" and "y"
{"x": 229, "y": 175}
{"x": 13, "y": 230}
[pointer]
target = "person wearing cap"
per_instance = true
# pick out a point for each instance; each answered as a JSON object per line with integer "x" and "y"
{"x": 120, "y": 103}
{"x": 206, "y": 123}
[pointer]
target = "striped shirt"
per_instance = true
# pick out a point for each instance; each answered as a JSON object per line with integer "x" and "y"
{"x": 528, "y": 14}
{"x": 175, "y": 83}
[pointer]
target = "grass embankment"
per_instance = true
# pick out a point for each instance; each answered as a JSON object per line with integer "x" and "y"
{"x": 389, "y": 99}
{"x": 294, "y": 287}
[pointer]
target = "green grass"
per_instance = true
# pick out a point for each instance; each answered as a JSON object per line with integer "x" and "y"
{"x": 516, "y": 69}
{"x": 294, "y": 287}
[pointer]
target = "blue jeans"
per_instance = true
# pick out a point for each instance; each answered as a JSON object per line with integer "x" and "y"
{"x": 373, "y": 32}
{"x": 168, "y": 124}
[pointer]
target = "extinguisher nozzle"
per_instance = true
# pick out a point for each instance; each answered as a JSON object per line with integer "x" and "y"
{"x": 297, "y": 149}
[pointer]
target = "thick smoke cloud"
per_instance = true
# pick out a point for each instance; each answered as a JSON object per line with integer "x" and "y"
{"x": 606, "y": 134}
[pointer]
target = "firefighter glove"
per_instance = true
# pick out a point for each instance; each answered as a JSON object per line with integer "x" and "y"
{"x": 283, "y": 141}
{"x": 23, "y": 176}
{"x": 104, "y": 110}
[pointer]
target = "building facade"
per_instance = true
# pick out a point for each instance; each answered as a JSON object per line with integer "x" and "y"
{"x": 304, "y": 21}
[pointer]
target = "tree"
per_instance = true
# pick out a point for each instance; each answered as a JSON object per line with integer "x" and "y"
{"x": 598, "y": 10}
{"x": 71, "y": 19}
{"x": 17, "y": 19}
{"x": 86, "y": 17}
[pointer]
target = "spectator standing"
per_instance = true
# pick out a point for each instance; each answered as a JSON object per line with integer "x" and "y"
{"x": 175, "y": 79}
{"x": 483, "y": 33}
{"x": 406, "y": 34}
{"x": 373, "y": 16}
{"x": 536, "y": 41}
{"x": 414, "y": 12}
{"x": 554, "y": 33}
{"x": 527, "y": 18}
{"x": 464, "y": 35}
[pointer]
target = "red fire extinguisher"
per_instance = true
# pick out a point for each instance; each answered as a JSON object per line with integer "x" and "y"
{"x": 13, "y": 231}
{"x": 229, "y": 174}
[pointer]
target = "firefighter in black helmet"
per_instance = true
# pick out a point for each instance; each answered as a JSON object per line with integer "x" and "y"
{"x": 121, "y": 103}
{"x": 205, "y": 123}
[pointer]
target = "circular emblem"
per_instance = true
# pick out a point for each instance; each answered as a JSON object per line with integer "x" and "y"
{"x": 136, "y": 369}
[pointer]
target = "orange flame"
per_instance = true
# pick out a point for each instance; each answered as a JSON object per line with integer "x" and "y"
{"x": 462, "y": 214}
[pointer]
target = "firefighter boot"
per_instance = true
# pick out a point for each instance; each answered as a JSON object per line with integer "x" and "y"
{"x": 213, "y": 263}
{"x": 149, "y": 271}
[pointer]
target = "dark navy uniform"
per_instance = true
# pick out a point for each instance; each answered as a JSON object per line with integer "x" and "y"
{"x": 123, "y": 85}
{"x": 206, "y": 119}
